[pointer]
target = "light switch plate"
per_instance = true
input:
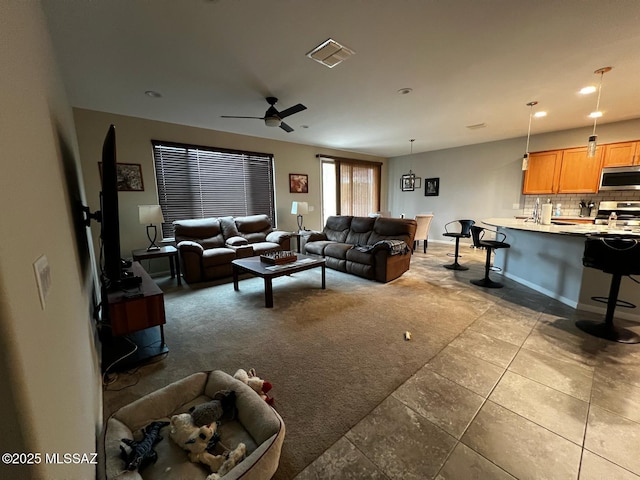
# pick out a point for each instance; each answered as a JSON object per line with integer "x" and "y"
{"x": 43, "y": 278}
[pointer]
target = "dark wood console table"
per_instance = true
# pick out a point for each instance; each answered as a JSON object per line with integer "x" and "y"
{"x": 135, "y": 312}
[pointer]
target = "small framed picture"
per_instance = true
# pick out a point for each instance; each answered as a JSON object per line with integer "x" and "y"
{"x": 298, "y": 183}
{"x": 407, "y": 183}
{"x": 129, "y": 177}
{"x": 431, "y": 187}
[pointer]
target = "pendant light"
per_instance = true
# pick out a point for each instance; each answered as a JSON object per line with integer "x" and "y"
{"x": 525, "y": 158}
{"x": 417, "y": 181}
{"x": 591, "y": 146}
{"x": 410, "y": 181}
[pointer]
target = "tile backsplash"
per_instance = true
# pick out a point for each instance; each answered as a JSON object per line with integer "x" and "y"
{"x": 570, "y": 201}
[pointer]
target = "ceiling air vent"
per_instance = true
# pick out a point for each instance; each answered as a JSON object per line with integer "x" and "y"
{"x": 330, "y": 53}
{"x": 476, "y": 126}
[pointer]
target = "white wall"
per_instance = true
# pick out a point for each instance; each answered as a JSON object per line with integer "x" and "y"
{"x": 49, "y": 372}
{"x": 133, "y": 138}
{"x": 484, "y": 180}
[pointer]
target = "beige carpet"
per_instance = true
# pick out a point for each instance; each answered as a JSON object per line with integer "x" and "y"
{"x": 332, "y": 355}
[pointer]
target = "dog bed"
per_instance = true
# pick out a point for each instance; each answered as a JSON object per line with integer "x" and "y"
{"x": 257, "y": 425}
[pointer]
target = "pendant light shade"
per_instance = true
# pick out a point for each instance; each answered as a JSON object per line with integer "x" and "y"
{"x": 525, "y": 158}
{"x": 593, "y": 138}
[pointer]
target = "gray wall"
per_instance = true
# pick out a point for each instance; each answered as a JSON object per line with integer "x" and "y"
{"x": 50, "y": 380}
{"x": 484, "y": 180}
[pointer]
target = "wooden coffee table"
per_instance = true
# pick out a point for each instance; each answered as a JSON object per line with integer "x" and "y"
{"x": 254, "y": 266}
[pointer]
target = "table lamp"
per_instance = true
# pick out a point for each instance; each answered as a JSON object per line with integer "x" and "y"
{"x": 299, "y": 208}
{"x": 149, "y": 216}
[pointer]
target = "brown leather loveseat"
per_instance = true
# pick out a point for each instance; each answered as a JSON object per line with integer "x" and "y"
{"x": 207, "y": 246}
{"x": 374, "y": 248}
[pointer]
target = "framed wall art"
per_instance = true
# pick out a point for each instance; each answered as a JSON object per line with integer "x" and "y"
{"x": 298, "y": 183}
{"x": 129, "y": 177}
{"x": 431, "y": 187}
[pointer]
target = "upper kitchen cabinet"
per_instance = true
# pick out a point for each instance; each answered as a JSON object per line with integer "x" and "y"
{"x": 542, "y": 175}
{"x": 579, "y": 173}
{"x": 621, "y": 154}
{"x": 562, "y": 171}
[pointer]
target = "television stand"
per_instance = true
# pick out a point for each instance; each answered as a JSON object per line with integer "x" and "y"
{"x": 134, "y": 312}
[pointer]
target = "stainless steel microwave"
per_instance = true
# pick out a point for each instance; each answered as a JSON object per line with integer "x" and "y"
{"x": 620, "y": 178}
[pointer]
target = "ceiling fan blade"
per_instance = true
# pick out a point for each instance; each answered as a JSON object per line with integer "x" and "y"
{"x": 286, "y": 127}
{"x": 233, "y": 116}
{"x": 291, "y": 110}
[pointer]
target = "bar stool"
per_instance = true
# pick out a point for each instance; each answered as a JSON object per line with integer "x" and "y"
{"x": 490, "y": 245}
{"x": 618, "y": 255}
{"x": 476, "y": 235}
{"x": 465, "y": 232}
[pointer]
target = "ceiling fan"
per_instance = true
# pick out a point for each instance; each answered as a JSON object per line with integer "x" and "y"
{"x": 272, "y": 117}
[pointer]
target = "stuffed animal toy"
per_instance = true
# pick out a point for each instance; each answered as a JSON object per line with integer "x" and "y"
{"x": 196, "y": 439}
{"x": 222, "y": 407}
{"x": 142, "y": 452}
{"x": 260, "y": 386}
{"x": 234, "y": 457}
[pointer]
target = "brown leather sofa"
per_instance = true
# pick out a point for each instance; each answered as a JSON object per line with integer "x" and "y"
{"x": 368, "y": 247}
{"x": 207, "y": 246}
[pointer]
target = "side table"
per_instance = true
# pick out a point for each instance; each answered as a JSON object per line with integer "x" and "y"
{"x": 167, "y": 251}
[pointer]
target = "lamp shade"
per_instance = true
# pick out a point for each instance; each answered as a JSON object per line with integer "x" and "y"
{"x": 299, "y": 208}
{"x": 150, "y": 214}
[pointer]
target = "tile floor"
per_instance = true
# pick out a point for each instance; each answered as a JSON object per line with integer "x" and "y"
{"x": 522, "y": 393}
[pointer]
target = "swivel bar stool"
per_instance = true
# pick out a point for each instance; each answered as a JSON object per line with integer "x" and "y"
{"x": 489, "y": 245}
{"x": 618, "y": 255}
{"x": 465, "y": 232}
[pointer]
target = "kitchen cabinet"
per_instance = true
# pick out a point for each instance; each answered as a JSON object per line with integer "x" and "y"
{"x": 562, "y": 171}
{"x": 542, "y": 175}
{"x": 578, "y": 173}
{"x": 621, "y": 154}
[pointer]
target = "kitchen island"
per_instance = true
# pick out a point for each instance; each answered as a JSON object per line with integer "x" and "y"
{"x": 548, "y": 259}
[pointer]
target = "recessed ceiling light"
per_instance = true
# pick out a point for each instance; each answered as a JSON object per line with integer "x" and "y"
{"x": 587, "y": 90}
{"x": 540, "y": 114}
{"x": 595, "y": 114}
{"x": 404, "y": 91}
{"x": 153, "y": 94}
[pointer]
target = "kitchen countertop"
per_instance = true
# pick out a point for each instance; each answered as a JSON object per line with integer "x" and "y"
{"x": 578, "y": 229}
{"x": 563, "y": 217}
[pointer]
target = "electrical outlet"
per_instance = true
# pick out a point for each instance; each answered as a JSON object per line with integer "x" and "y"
{"x": 311, "y": 208}
{"x": 43, "y": 278}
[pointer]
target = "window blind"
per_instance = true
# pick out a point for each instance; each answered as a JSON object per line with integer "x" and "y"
{"x": 358, "y": 186}
{"x": 199, "y": 182}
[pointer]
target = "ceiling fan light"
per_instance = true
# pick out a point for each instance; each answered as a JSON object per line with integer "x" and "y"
{"x": 272, "y": 121}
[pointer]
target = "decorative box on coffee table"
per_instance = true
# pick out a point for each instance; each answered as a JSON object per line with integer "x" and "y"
{"x": 278, "y": 258}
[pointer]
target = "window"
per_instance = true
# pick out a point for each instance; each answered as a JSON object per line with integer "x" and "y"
{"x": 200, "y": 182}
{"x": 349, "y": 187}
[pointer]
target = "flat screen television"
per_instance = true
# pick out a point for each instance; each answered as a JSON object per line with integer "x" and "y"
{"x": 110, "y": 227}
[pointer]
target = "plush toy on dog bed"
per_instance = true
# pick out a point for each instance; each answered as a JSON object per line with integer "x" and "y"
{"x": 260, "y": 386}
{"x": 142, "y": 452}
{"x": 196, "y": 440}
{"x": 222, "y": 407}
